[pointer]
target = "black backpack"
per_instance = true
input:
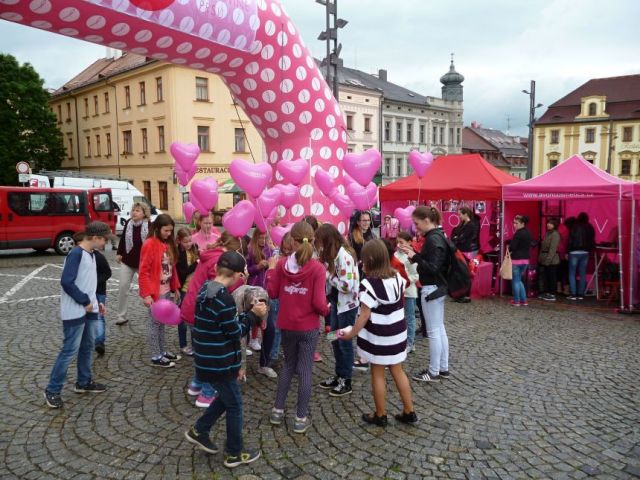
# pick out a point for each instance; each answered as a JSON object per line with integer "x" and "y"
{"x": 458, "y": 278}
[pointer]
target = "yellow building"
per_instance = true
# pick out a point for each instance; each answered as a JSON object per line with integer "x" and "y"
{"x": 120, "y": 115}
{"x": 600, "y": 120}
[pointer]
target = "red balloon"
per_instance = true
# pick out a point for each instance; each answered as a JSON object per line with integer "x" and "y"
{"x": 152, "y": 4}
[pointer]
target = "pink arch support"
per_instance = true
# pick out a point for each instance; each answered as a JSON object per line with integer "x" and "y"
{"x": 252, "y": 44}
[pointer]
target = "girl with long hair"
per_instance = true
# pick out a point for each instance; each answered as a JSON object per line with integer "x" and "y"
{"x": 186, "y": 265}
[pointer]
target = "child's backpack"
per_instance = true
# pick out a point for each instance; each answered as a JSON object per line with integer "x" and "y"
{"x": 458, "y": 276}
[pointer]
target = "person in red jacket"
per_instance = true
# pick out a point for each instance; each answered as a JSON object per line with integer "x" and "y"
{"x": 298, "y": 281}
{"x": 158, "y": 279}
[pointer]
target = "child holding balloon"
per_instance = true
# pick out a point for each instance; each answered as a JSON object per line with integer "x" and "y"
{"x": 158, "y": 279}
{"x": 187, "y": 262}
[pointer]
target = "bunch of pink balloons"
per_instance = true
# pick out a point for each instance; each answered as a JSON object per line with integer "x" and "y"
{"x": 185, "y": 156}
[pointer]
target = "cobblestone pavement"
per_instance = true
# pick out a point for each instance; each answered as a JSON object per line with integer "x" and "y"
{"x": 538, "y": 392}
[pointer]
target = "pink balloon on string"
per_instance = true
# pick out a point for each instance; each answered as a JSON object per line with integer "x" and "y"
{"x": 278, "y": 232}
{"x": 404, "y": 216}
{"x": 363, "y": 198}
{"x": 347, "y": 180}
{"x": 263, "y": 222}
{"x": 325, "y": 182}
{"x": 166, "y": 312}
{"x": 185, "y": 154}
{"x": 293, "y": 171}
{"x": 204, "y": 194}
{"x": 239, "y": 219}
{"x": 268, "y": 200}
{"x": 420, "y": 162}
{"x": 185, "y": 176}
{"x": 362, "y": 166}
{"x": 188, "y": 209}
{"x": 344, "y": 203}
{"x": 290, "y": 194}
{"x": 251, "y": 177}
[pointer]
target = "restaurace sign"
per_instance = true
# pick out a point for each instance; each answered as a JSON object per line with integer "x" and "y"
{"x": 213, "y": 169}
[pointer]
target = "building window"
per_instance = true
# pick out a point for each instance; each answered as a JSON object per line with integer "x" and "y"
{"x": 441, "y": 142}
{"x": 106, "y": 102}
{"x": 399, "y": 168}
{"x": 422, "y": 134}
{"x": 590, "y": 135}
{"x": 98, "y": 148}
{"x": 398, "y": 131}
{"x": 387, "y": 131}
{"x": 202, "y": 89}
{"x": 159, "y": 94}
{"x": 163, "y": 198}
{"x": 450, "y": 136}
{"x": 458, "y": 137}
{"x": 349, "y": 122}
{"x": 625, "y": 167}
{"x": 239, "y": 140}
{"x": 145, "y": 143}
{"x": 387, "y": 167}
{"x": 70, "y": 152}
{"x": 146, "y": 187}
{"x": 143, "y": 93}
{"x": 161, "y": 138}
{"x": 627, "y": 134}
{"x": 88, "y": 154}
{"x": 86, "y": 107}
{"x": 409, "y": 132}
{"x": 367, "y": 124}
{"x": 555, "y": 137}
{"x": 68, "y": 112}
{"x": 434, "y": 136}
{"x": 96, "y": 108}
{"x": 553, "y": 163}
{"x": 127, "y": 97}
{"x": 351, "y": 148}
{"x": 203, "y": 138}
{"x": 127, "y": 141}
{"x": 592, "y": 109}
{"x": 108, "y": 140}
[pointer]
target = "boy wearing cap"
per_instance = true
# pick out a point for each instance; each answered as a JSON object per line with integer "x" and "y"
{"x": 79, "y": 309}
{"x": 218, "y": 354}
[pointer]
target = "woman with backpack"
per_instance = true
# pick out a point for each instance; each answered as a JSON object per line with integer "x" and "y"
{"x": 432, "y": 262}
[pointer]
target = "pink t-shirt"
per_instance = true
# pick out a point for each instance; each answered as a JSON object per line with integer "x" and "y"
{"x": 165, "y": 275}
{"x": 203, "y": 240}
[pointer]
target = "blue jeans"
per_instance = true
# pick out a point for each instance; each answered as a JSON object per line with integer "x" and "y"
{"x": 79, "y": 339}
{"x": 342, "y": 350}
{"x": 517, "y": 287}
{"x": 433, "y": 312}
{"x": 277, "y": 335}
{"x": 206, "y": 389}
{"x": 578, "y": 261}
{"x": 410, "y": 316}
{"x": 268, "y": 334}
{"x": 101, "y": 331}
{"x": 230, "y": 401}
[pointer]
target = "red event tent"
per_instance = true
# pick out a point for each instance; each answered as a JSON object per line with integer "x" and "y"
{"x": 451, "y": 177}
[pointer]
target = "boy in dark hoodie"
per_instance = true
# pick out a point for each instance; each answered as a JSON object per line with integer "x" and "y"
{"x": 218, "y": 354}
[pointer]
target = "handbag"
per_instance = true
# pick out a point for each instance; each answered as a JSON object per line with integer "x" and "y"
{"x": 505, "y": 269}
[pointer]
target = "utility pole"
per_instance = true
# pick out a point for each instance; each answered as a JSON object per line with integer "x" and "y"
{"x": 532, "y": 120}
{"x": 330, "y": 35}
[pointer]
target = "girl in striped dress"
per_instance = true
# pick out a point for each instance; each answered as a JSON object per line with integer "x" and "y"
{"x": 382, "y": 331}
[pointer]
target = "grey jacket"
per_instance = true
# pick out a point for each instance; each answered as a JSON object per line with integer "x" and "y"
{"x": 549, "y": 249}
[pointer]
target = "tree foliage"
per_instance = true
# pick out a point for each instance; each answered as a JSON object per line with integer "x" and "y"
{"x": 27, "y": 125}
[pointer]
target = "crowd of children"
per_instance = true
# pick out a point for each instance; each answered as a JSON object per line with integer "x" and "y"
{"x": 365, "y": 288}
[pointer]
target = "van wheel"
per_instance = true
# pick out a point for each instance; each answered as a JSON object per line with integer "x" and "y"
{"x": 64, "y": 243}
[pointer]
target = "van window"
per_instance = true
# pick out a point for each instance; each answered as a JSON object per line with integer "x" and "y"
{"x": 102, "y": 202}
{"x": 24, "y": 203}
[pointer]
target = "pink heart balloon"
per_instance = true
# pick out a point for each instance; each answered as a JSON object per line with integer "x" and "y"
{"x": 344, "y": 203}
{"x": 278, "y": 233}
{"x": 404, "y": 216}
{"x": 263, "y": 222}
{"x": 166, "y": 312}
{"x": 204, "y": 194}
{"x": 363, "y": 198}
{"x": 290, "y": 194}
{"x": 185, "y": 154}
{"x": 185, "y": 176}
{"x": 362, "y": 166}
{"x": 293, "y": 171}
{"x": 250, "y": 177}
{"x": 325, "y": 182}
{"x": 188, "y": 209}
{"x": 420, "y": 162}
{"x": 239, "y": 219}
{"x": 268, "y": 200}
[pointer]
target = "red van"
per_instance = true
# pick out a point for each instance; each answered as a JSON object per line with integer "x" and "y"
{"x": 49, "y": 217}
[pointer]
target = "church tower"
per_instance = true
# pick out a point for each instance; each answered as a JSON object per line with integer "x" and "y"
{"x": 452, "y": 84}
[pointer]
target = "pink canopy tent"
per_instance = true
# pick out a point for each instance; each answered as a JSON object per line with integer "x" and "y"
{"x": 577, "y": 185}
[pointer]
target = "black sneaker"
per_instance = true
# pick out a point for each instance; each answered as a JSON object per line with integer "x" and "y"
{"x": 248, "y": 456}
{"x": 202, "y": 440}
{"x": 91, "y": 387}
{"x": 408, "y": 418}
{"x": 122, "y": 321}
{"x": 373, "y": 419}
{"x": 425, "y": 376}
{"x": 100, "y": 348}
{"x": 162, "y": 363}
{"x": 329, "y": 383}
{"x": 54, "y": 400}
{"x": 342, "y": 388}
{"x": 444, "y": 375}
{"x": 358, "y": 365}
{"x": 171, "y": 357}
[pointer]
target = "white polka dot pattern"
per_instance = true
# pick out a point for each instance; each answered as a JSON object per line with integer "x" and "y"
{"x": 252, "y": 43}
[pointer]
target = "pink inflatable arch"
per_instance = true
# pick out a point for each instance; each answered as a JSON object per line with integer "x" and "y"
{"x": 252, "y": 44}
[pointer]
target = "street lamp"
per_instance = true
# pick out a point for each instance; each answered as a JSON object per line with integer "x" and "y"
{"x": 532, "y": 119}
{"x": 331, "y": 35}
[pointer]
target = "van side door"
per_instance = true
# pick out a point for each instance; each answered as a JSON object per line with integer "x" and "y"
{"x": 26, "y": 227}
{"x": 101, "y": 207}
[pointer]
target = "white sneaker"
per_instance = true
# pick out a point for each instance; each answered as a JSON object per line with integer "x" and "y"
{"x": 248, "y": 352}
{"x": 255, "y": 345}
{"x": 268, "y": 371}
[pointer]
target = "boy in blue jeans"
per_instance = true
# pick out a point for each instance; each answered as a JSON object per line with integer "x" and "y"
{"x": 79, "y": 309}
{"x": 216, "y": 337}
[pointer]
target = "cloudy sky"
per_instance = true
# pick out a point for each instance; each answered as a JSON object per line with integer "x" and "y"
{"x": 499, "y": 45}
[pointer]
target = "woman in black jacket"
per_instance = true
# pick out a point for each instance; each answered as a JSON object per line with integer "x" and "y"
{"x": 581, "y": 243}
{"x": 520, "y": 249}
{"x": 466, "y": 238}
{"x": 432, "y": 262}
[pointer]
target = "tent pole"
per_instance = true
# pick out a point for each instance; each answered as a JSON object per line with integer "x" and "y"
{"x": 621, "y": 269}
{"x": 632, "y": 267}
{"x": 501, "y": 232}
